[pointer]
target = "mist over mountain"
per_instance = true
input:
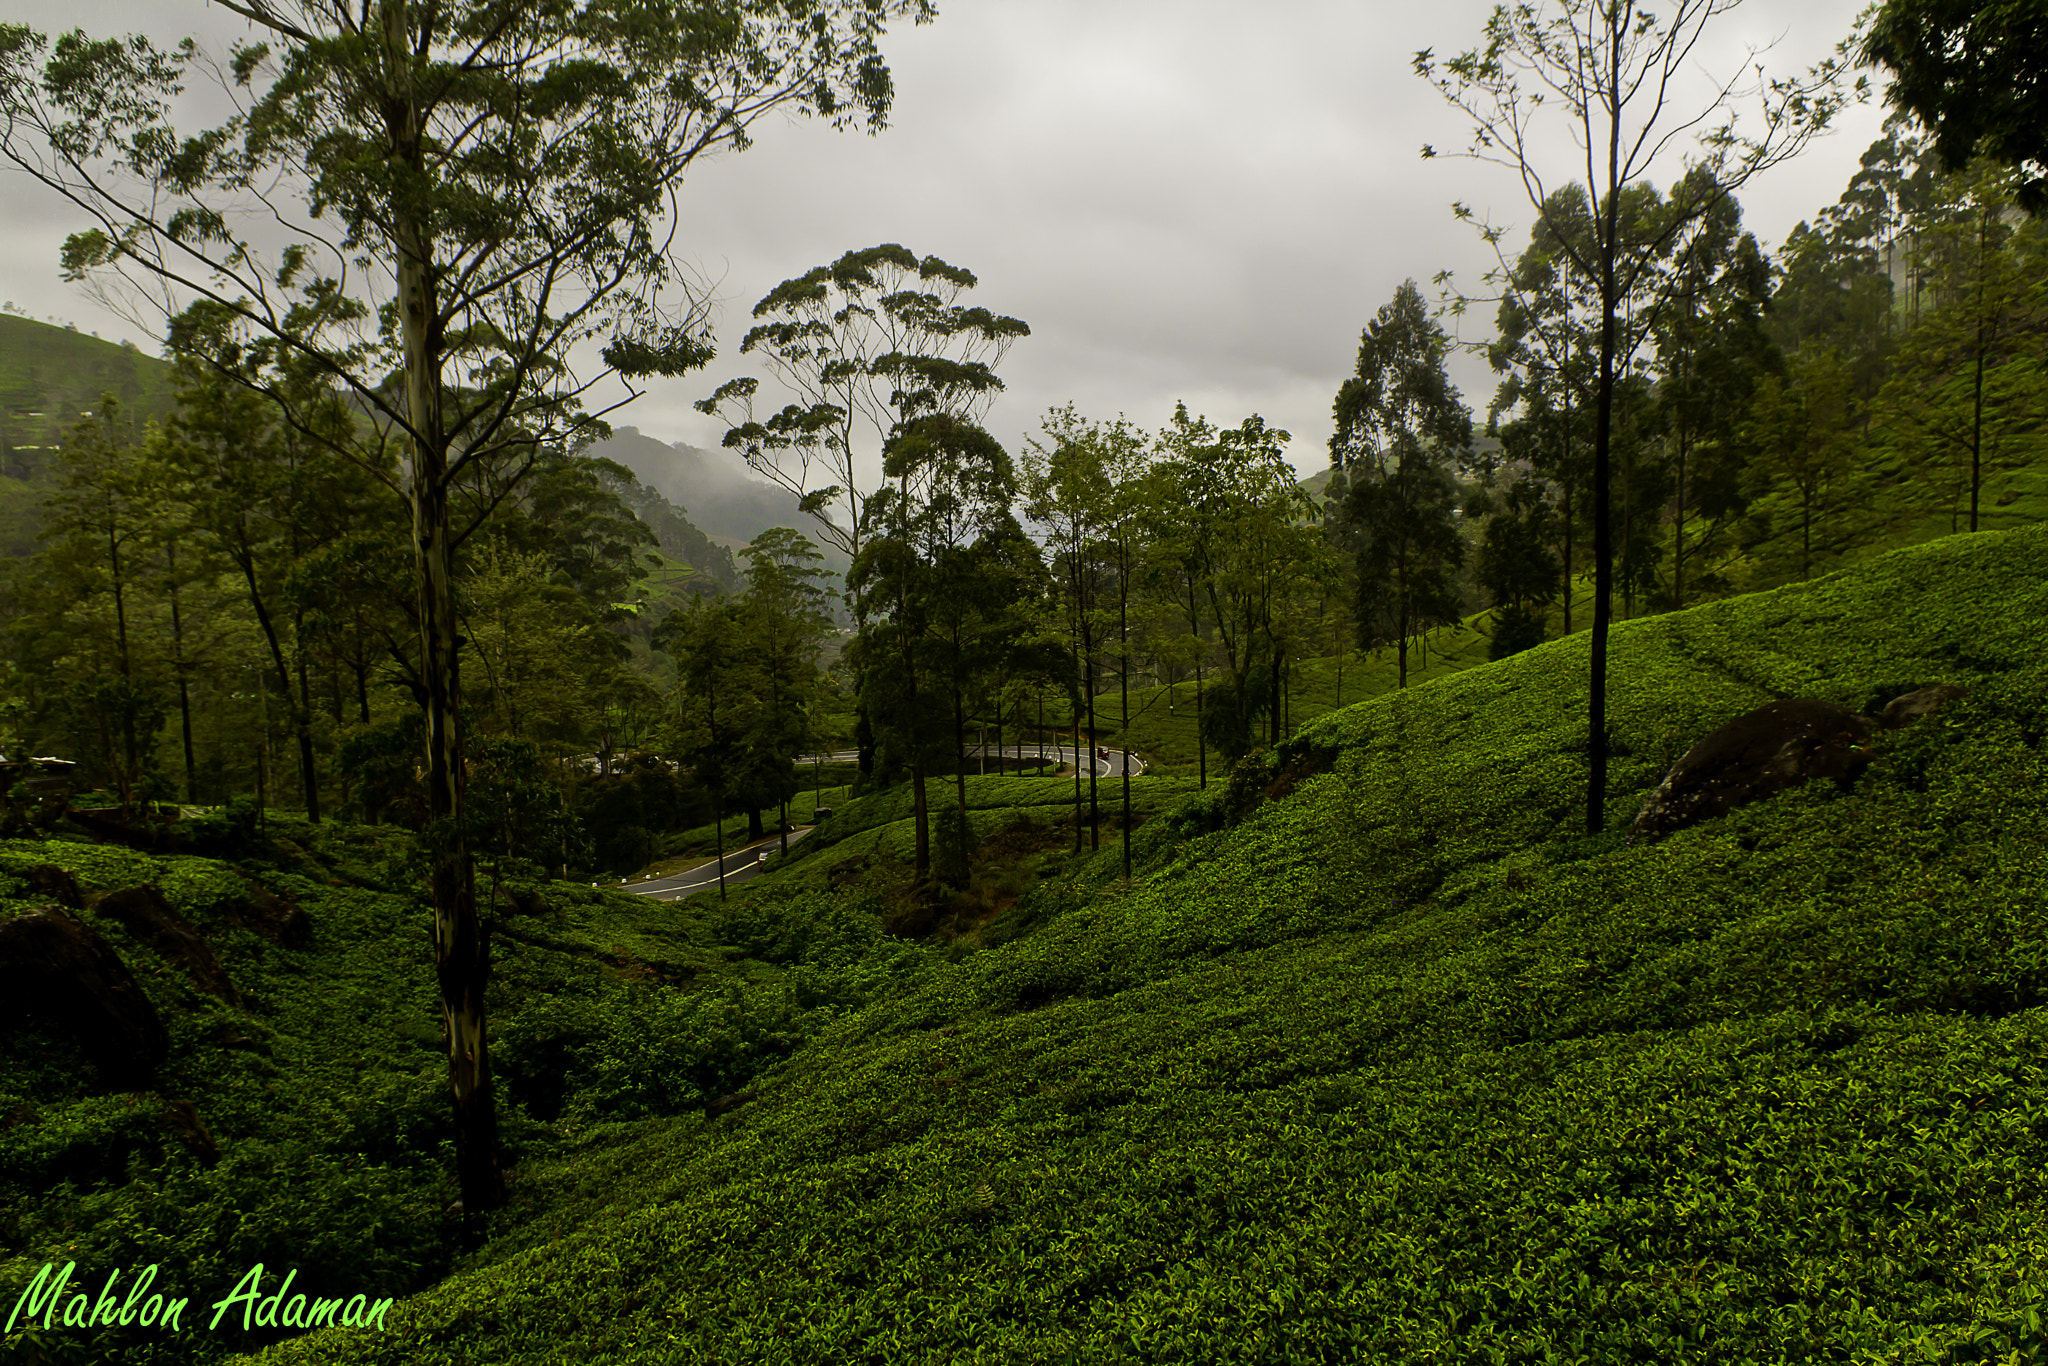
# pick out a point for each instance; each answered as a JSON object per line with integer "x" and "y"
{"x": 713, "y": 488}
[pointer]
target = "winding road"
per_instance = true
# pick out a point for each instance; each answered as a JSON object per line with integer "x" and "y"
{"x": 746, "y": 862}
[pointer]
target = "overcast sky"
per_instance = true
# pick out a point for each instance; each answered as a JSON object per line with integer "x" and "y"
{"x": 1185, "y": 199}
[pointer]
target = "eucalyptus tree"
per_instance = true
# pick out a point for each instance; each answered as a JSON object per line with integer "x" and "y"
{"x": 487, "y": 177}
{"x": 1085, "y": 489}
{"x": 99, "y": 523}
{"x": 1968, "y": 376}
{"x": 1615, "y": 73}
{"x": 1517, "y": 567}
{"x": 788, "y": 616}
{"x": 1401, "y": 426}
{"x": 1542, "y": 349}
{"x": 1066, "y": 497}
{"x": 924, "y": 584}
{"x": 717, "y": 690}
{"x": 1799, "y": 427}
{"x": 1181, "y": 541}
{"x": 865, "y": 345}
{"x": 1710, "y": 348}
{"x": 1261, "y": 546}
{"x": 265, "y": 494}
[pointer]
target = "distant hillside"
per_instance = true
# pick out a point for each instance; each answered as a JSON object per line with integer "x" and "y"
{"x": 50, "y": 376}
{"x": 679, "y": 537}
{"x": 714, "y": 489}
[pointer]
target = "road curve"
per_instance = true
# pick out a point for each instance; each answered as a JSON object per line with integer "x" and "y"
{"x": 744, "y": 863}
{"x": 741, "y": 865}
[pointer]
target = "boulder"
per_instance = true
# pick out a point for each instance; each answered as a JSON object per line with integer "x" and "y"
{"x": 47, "y": 879}
{"x": 144, "y": 913}
{"x": 181, "y": 1121}
{"x": 1759, "y": 753}
{"x": 54, "y": 967}
{"x": 1914, "y": 705}
{"x": 726, "y": 1104}
{"x": 276, "y": 918}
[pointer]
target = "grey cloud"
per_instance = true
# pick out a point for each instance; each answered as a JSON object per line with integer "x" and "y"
{"x": 1184, "y": 199}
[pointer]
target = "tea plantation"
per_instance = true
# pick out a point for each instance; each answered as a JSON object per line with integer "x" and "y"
{"x": 1378, "y": 1058}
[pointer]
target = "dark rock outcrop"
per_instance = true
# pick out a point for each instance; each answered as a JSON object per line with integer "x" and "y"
{"x": 276, "y": 918}
{"x": 144, "y": 913}
{"x": 54, "y": 967}
{"x": 149, "y": 836}
{"x": 726, "y": 1104}
{"x": 1759, "y": 753}
{"x": 1914, "y": 705}
{"x": 181, "y": 1121}
{"x": 47, "y": 879}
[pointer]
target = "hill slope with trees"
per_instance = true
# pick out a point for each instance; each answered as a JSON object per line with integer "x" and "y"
{"x": 1380, "y": 1056}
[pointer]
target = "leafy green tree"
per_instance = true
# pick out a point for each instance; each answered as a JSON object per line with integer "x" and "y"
{"x": 264, "y": 495}
{"x": 1518, "y": 569}
{"x": 1183, "y": 544}
{"x": 1068, "y": 487}
{"x": 1607, "y": 68}
{"x": 1085, "y": 489}
{"x": 1265, "y": 551}
{"x": 716, "y": 694}
{"x": 787, "y": 612}
{"x": 99, "y": 521}
{"x": 1399, "y": 423}
{"x": 1967, "y": 380}
{"x": 1974, "y": 72}
{"x": 495, "y": 174}
{"x": 532, "y": 643}
{"x": 866, "y": 344}
{"x": 1799, "y": 427}
{"x": 941, "y": 540}
{"x": 1544, "y": 349}
{"x": 1709, "y": 349}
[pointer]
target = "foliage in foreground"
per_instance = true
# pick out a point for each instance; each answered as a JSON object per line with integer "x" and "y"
{"x": 1400, "y": 1067}
{"x": 328, "y": 1146}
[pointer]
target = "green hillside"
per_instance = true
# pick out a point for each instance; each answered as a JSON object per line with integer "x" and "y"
{"x": 1380, "y": 1059}
{"x": 51, "y": 376}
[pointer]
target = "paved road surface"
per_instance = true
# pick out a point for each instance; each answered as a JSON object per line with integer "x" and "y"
{"x": 741, "y": 865}
{"x": 744, "y": 863}
{"x": 1109, "y": 767}
{"x": 1104, "y": 768}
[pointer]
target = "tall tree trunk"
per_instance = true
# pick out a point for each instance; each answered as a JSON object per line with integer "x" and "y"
{"x": 1977, "y": 402}
{"x": 1277, "y": 690}
{"x": 461, "y": 955}
{"x": 1094, "y": 806}
{"x": 1567, "y": 545}
{"x": 959, "y": 692}
{"x": 1603, "y": 548}
{"x": 960, "y": 763}
{"x": 127, "y": 770}
{"x": 301, "y": 731}
{"x": 1678, "y": 533}
{"x": 1123, "y": 630}
{"x": 184, "y": 681}
{"x": 308, "y": 772}
{"x": 1077, "y": 776}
